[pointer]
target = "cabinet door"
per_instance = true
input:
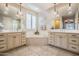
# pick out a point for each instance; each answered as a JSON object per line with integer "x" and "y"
{"x": 57, "y": 41}
{"x": 64, "y": 42}
{"x": 17, "y": 40}
{"x": 51, "y": 41}
{"x": 10, "y": 42}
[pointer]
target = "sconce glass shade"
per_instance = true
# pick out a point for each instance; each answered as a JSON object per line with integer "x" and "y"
{"x": 19, "y": 15}
{"x": 5, "y": 10}
{"x": 69, "y": 9}
{"x": 56, "y": 14}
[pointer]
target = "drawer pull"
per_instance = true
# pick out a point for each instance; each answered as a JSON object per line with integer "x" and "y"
{"x": 60, "y": 37}
{"x": 1, "y": 40}
{"x": 14, "y": 37}
{"x": 73, "y": 35}
{"x": 1, "y": 47}
{"x": 74, "y": 40}
{"x": 1, "y": 35}
{"x": 74, "y": 47}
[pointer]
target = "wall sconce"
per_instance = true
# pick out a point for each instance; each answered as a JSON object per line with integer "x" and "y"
{"x": 19, "y": 13}
{"x": 69, "y": 9}
{"x": 6, "y": 9}
{"x": 55, "y": 12}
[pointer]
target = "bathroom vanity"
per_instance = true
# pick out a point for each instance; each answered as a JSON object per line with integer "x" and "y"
{"x": 65, "y": 39}
{"x": 11, "y": 40}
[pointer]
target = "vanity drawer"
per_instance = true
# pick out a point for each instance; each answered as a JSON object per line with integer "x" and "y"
{"x": 74, "y": 48}
{"x": 51, "y": 34}
{"x": 51, "y": 41}
{"x": 61, "y": 34}
{"x": 23, "y": 40}
{"x": 2, "y": 35}
{"x": 2, "y": 42}
{"x": 2, "y": 39}
{"x": 74, "y": 40}
{"x": 3, "y": 47}
{"x": 74, "y": 35}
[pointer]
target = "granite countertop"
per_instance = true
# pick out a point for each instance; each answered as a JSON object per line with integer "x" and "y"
{"x": 65, "y": 31}
{"x": 9, "y": 31}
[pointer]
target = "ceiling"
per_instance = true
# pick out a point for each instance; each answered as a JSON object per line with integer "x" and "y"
{"x": 45, "y": 8}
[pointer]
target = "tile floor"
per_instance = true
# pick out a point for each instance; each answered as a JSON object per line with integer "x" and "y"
{"x": 38, "y": 51}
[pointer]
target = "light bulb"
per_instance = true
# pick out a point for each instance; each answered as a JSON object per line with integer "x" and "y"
{"x": 17, "y": 15}
{"x": 70, "y": 12}
{"x": 20, "y": 13}
{"x": 55, "y": 12}
{"x": 57, "y": 15}
{"x": 5, "y": 10}
{"x": 69, "y": 9}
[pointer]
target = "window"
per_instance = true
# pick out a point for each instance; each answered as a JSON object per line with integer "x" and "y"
{"x": 30, "y": 21}
{"x": 70, "y": 26}
{"x": 15, "y": 25}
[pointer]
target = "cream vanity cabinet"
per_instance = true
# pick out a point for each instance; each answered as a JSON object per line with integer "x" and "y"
{"x": 11, "y": 40}
{"x": 68, "y": 41}
{"x": 3, "y": 42}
